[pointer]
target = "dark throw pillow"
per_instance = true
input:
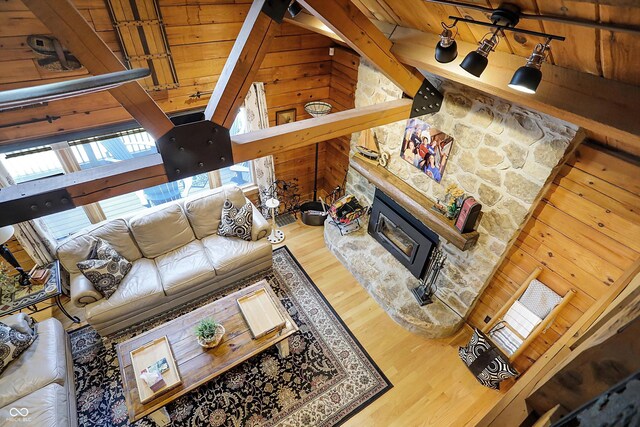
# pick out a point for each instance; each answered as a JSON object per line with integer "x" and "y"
{"x": 12, "y": 344}
{"x": 236, "y": 222}
{"x": 106, "y": 270}
{"x": 485, "y": 361}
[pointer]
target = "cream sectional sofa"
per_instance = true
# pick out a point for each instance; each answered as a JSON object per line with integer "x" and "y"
{"x": 38, "y": 389}
{"x": 177, "y": 256}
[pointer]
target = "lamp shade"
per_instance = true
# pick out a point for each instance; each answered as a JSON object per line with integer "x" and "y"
{"x": 526, "y": 79}
{"x": 6, "y": 233}
{"x": 474, "y": 63}
{"x": 446, "y": 54}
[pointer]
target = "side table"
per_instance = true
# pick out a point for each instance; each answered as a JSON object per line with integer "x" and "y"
{"x": 18, "y": 298}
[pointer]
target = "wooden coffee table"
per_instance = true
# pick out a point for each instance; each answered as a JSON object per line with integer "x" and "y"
{"x": 197, "y": 365}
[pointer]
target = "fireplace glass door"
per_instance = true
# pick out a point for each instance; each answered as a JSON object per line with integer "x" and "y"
{"x": 396, "y": 237}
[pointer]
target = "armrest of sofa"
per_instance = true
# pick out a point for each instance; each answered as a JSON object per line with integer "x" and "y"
{"x": 261, "y": 227}
{"x": 82, "y": 291}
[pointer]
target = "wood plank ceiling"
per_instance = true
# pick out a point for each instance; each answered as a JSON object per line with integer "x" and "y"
{"x": 604, "y": 53}
{"x": 200, "y": 34}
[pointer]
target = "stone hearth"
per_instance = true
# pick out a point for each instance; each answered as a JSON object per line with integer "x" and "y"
{"x": 389, "y": 282}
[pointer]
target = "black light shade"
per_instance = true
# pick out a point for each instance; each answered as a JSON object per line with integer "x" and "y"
{"x": 294, "y": 9}
{"x": 526, "y": 79}
{"x": 446, "y": 54}
{"x": 474, "y": 63}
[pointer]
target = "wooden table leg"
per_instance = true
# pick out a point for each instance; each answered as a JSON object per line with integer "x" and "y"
{"x": 283, "y": 347}
{"x": 160, "y": 417}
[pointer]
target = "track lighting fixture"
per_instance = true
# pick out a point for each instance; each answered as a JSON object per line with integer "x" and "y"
{"x": 294, "y": 9}
{"x": 447, "y": 48}
{"x": 61, "y": 90}
{"x": 504, "y": 18}
{"x": 527, "y": 78}
{"x": 475, "y": 62}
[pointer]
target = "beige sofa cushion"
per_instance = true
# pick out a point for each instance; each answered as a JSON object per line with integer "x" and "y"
{"x": 43, "y": 363}
{"x": 228, "y": 254}
{"x": 140, "y": 290}
{"x": 184, "y": 268}
{"x": 204, "y": 211}
{"x": 48, "y": 407}
{"x": 161, "y": 231}
{"x": 77, "y": 247}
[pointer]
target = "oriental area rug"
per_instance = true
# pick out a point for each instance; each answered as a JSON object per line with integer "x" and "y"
{"x": 327, "y": 378}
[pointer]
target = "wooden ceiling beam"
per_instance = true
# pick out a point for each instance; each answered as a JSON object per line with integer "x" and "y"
{"x": 241, "y": 66}
{"x": 34, "y": 199}
{"x": 288, "y": 136}
{"x": 43, "y": 197}
{"x": 312, "y": 23}
{"x": 350, "y": 24}
{"x": 67, "y": 24}
{"x": 602, "y": 106}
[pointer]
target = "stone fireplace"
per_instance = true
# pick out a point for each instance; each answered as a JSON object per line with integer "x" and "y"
{"x": 502, "y": 155}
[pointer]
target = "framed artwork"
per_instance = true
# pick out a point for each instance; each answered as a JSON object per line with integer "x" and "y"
{"x": 426, "y": 148}
{"x": 285, "y": 116}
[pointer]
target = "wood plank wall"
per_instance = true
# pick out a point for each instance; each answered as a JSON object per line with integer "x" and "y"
{"x": 344, "y": 77}
{"x": 583, "y": 234}
{"x": 292, "y": 86}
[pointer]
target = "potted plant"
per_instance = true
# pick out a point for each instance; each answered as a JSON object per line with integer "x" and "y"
{"x": 454, "y": 198}
{"x": 209, "y": 333}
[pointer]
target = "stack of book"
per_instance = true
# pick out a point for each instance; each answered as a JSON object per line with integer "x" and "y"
{"x": 39, "y": 276}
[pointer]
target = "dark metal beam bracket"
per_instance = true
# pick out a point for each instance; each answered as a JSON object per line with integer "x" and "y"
{"x": 275, "y": 9}
{"x": 427, "y": 100}
{"x": 42, "y": 204}
{"x": 195, "y": 148}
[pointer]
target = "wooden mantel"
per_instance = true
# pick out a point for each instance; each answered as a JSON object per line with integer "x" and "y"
{"x": 414, "y": 202}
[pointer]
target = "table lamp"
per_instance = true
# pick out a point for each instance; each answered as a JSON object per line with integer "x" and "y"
{"x": 6, "y": 233}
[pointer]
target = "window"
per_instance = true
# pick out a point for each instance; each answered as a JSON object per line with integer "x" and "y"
{"x": 41, "y": 162}
{"x": 36, "y": 163}
{"x": 104, "y": 150}
{"x": 241, "y": 173}
{"x": 63, "y": 224}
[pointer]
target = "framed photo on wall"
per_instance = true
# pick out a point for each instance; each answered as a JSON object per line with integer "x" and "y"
{"x": 426, "y": 148}
{"x": 285, "y": 116}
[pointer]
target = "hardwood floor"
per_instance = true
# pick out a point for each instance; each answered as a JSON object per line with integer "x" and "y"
{"x": 431, "y": 386}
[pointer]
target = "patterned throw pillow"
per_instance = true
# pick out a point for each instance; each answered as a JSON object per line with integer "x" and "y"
{"x": 12, "y": 344}
{"x": 106, "y": 270}
{"x": 236, "y": 222}
{"x": 485, "y": 361}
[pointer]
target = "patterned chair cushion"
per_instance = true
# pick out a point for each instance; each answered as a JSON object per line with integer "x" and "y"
{"x": 489, "y": 365}
{"x": 522, "y": 320}
{"x": 539, "y": 299}
{"x": 12, "y": 344}
{"x": 106, "y": 270}
{"x": 236, "y": 222}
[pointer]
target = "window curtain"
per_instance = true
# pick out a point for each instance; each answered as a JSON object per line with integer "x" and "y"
{"x": 33, "y": 235}
{"x": 255, "y": 104}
